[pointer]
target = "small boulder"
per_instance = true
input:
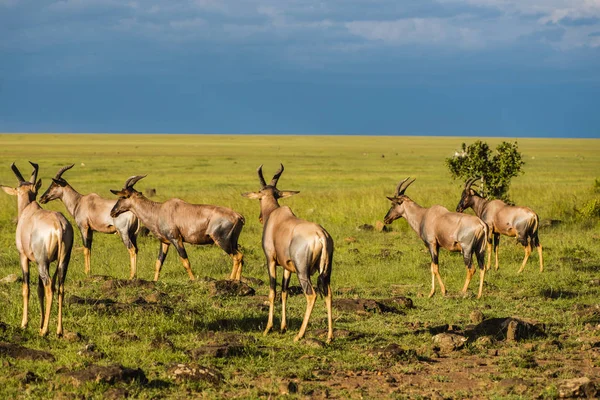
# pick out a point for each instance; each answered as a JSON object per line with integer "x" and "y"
{"x": 12, "y": 278}
{"x": 448, "y": 342}
{"x": 365, "y": 227}
{"x": 476, "y": 316}
{"x": 110, "y": 374}
{"x": 196, "y": 373}
{"x": 577, "y": 387}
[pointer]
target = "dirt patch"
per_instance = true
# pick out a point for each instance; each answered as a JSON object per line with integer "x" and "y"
{"x": 393, "y": 352}
{"x": 227, "y": 288}
{"x": 23, "y": 353}
{"x": 511, "y": 329}
{"x": 224, "y": 350}
{"x": 110, "y": 306}
{"x": 111, "y": 375}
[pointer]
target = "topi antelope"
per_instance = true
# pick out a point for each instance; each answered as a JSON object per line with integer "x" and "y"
{"x": 503, "y": 219}
{"x": 92, "y": 213}
{"x": 175, "y": 222}
{"x": 298, "y": 246}
{"x": 438, "y": 227}
{"x": 42, "y": 237}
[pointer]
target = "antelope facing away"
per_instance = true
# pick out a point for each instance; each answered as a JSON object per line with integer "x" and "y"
{"x": 438, "y": 227}
{"x": 503, "y": 219}
{"x": 175, "y": 222}
{"x": 298, "y": 246}
{"x": 42, "y": 237}
{"x": 92, "y": 213}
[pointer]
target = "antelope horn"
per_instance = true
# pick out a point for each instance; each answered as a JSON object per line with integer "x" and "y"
{"x": 276, "y": 176}
{"x": 397, "y": 192}
{"x": 34, "y": 174}
{"x": 133, "y": 180}
{"x": 470, "y": 182}
{"x": 62, "y": 170}
{"x": 261, "y": 178}
{"x": 17, "y": 173}
{"x": 406, "y": 186}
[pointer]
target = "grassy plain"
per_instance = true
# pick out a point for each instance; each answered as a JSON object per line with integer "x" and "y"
{"x": 343, "y": 182}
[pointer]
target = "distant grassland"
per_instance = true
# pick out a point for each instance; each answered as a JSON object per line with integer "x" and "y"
{"x": 343, "y": 181}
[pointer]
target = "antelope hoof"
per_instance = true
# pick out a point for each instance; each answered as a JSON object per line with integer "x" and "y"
{"x": 297, "y": 338}
{"x": 266, "y": 331}
{"x": 283, "y": 330}
{"x": 431, "y": 294}
{"x": 43, "y": 332}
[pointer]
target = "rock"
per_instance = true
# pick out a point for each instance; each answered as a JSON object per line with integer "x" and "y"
{"x": 401, "y": 301}
{"x": 362, "y": 306}
{"x": 110, "y": 374}
{"x": 577, "y": 387}
{"x": 9, "y": 278}
{"x": 252, "y": 281}
{"x": 393, "y": 352}
{"x": 124, "y": 336}
{"x": 72, "y": 336}
{"x": 512, "y": 329}
{"x": 27, "y": 377}
{"x": 350, "y": 239}
{"x": 381, "y": 227}
{"x": 154, "y": 297}
{"x": 448, "y": 342}
{"x": 365, "y": 227}
{"x": 290, "y": 387}
{"x": 23, "y": 353}
{"x": 196, "y": 373}
{"x": 89, "y": 351}
{"x": 476, "y": 316}
{"x": 483, "y": 342}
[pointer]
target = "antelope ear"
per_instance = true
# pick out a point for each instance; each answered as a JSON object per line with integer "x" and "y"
{"x": 391, "y": 198}
{"x": 287, "y": 193}
{"x": 9, "y": 190}
{"x": 38, "y": 185}
{"x": 252, "y": 195}
{"x": 117, "y": 192}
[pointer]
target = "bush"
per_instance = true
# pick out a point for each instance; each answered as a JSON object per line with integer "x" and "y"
{"x": 496, "y": 170}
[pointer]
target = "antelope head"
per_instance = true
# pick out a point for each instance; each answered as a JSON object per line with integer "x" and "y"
{"x": 466, "y": 200}
{"x": 127, "y": 196}
{"x": 397, "y": 209}
{"x": 27, "y": 190}
{"x": 55, "y": 189}
{"x": 269, "y": 194}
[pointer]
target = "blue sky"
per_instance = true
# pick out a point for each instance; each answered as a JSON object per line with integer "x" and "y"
{"x": 514, "y": 68}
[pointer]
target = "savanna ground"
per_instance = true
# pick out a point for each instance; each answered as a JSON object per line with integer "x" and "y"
{"x": 149, "y": 332}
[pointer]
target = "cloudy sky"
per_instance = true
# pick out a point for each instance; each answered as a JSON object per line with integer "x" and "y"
{"x": 514, "y": 68}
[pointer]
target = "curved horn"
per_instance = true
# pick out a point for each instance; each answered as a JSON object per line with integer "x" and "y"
{"x": 406, "y": 186}
{"x": 276, "y": 176}
{"x": 34, "y": 173}
{"x": 62, "y": 170}
{"x": 261, "y": 178}
{"x": 470, "y": 182}
{"x": 133, "y": 180}
{"x": 17, "y": 173}
{"x": 399, "y": 186}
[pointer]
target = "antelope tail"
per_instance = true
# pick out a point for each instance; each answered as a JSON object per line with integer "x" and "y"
{"x": 324, "y": 267}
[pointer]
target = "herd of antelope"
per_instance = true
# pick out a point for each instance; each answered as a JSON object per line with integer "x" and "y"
{"x": 298, "y": 246}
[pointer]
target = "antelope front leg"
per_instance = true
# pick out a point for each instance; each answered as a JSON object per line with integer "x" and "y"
{"x": 488, "y": 265}
{"x": 272, "y": 292}
{"x": 162, "y": 254}
{"x": 130, "y": 241}
{"x": 184, "y": 258}
{"x": 496, "y": 248}
{"x": 481, "y": 276}
{"x": 88, "y": 237}
{"x": 25, "y": 289}
{"x": 238, "y": 262}
{"x": 285, "y": 282}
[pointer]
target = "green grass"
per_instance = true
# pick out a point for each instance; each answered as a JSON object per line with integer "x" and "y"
{"x": 343, "y": 182}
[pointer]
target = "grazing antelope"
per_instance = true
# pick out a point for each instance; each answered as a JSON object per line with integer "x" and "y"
{"x": 298, "y": 246}
{"x": 175, "y": 222}
{"x": 503, "y": 219}
{"x": 438, "y": 227}
{"x": 92, "y": 213}
{"x": 42, "y": 237}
